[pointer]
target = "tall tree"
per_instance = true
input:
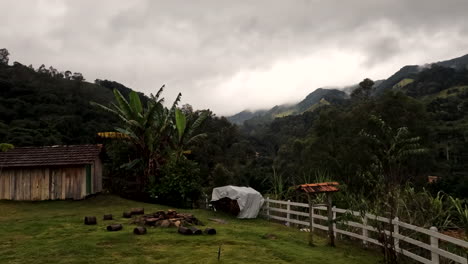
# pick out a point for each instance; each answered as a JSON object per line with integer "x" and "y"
{"x": 4, "y": 56}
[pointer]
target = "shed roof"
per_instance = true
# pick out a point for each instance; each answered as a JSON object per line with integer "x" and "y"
{"x": 319, "y": 187}
{"x": 50, "y": 156}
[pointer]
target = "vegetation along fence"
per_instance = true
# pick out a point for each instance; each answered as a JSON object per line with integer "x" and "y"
{"x": 420, "y": 244}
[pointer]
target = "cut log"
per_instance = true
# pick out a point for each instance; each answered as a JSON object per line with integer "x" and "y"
{"x": 210, "y": 231}
{"x": 127, "y": 214}
{"x": 151, "y": 221}
{"x": 165, "y": 223}
{"x": 90, "y": 220}
{"x": 137, "y": 211}
{"x": 195, "y": 230}
{"x": 115, "y": 227}
{"x": 107, "y": 217}
{"x": 184, "y": 230}
{"x": 139, "y": 230}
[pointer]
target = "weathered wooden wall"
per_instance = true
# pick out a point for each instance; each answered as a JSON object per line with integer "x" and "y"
{"x": 43, "y": 183}
{"x": 97, "y": 176}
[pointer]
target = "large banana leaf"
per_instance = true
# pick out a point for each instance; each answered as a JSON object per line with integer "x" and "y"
{"x": 135, "y": 103}
{"x": 181, "y": 123}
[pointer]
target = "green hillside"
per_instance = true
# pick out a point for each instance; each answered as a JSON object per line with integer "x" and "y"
{"x": 42, "y": 108}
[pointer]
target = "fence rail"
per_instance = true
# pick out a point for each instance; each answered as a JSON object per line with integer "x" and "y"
{"x": 281, "y": 210}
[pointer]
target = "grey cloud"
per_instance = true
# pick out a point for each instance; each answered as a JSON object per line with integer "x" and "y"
{"x": 202, "y": 48}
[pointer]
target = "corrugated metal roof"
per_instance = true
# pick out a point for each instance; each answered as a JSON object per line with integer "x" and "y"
{"x": 318, "y": 187}
{"x": 50, "y": 156}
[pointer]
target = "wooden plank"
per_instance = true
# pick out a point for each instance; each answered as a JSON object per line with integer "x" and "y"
{"x": 10, "y": 180}
{"x": 56, "y": 184}
{"x": 68, "y": 178}
{"x": 78, "y": 183}
{"x": 63, "y": 172}
{"x": 52, "y": 184}
{"x": 98, "y": 173}
{"x": 45, "y": 191}
{"x": 12, "y": 184}
{"x": 83, "y": 183}
{"x": 27, "y": 184}
{"x": 2, "y": 185}
{"x": 415, "y": 257}
{"x": 450, "y": 239}
{"x": 93, "y": 179}
{"x": 35, "y": 184}
{"x": 18, "y": 185}
{"x": 358, "y": 236}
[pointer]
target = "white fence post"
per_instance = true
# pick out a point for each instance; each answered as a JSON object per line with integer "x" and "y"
{"x": 288, "y": 208}
{"x": 434, "y": 244}
{"x": 396, "y": 231}
{"x": 312, "y": 220}
{"x": 364, "y": 230}
{"x": 334, "y": 222}
{"x": 268, "y": 207}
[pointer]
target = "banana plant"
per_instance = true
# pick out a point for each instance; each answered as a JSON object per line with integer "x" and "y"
{"x": 186, "y": 131}
{"x": 144, "y": 128}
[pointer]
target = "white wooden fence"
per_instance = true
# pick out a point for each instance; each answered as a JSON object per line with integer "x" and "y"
{"x": 404, "y": 244}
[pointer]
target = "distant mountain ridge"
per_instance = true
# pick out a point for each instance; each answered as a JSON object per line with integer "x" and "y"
{"x": 312, "y": 101}
{"x": 410, "y": 70}
{"x": 323, "y": 96}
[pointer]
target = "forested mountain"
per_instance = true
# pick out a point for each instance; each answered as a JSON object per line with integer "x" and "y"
{"x": 42, "y": 107}
{"x": 432, "y": 104}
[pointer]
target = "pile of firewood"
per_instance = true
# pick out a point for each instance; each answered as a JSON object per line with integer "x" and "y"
{"x": 171, "y": 218}
{"x": 185, "y": 223}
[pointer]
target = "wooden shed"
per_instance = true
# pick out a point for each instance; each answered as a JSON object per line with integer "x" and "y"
{"x": 50, "y": 173}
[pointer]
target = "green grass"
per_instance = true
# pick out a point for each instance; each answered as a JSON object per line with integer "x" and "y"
{"x": 403, "y": 83}
{"x": 53, "y": 232}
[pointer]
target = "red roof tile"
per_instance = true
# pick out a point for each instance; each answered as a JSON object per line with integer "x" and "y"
{"x": 49, "y": 156}
{"x": 318, "y": 187}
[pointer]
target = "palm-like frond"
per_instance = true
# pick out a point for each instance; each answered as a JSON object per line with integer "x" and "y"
{"x": 181, "y": 123}
{"x": 196, "y": 139}
{"x": 124, "y": 106}
{"x": 203, "y": 116}
{"x": 135, "y": 103}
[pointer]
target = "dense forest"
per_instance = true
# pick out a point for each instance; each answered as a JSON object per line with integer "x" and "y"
{"x": 411, "y": 136}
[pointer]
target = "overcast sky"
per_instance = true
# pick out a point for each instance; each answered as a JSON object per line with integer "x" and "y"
{"x": 233, "y": 55}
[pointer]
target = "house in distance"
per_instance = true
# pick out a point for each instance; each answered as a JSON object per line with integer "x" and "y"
{"x": 50, "y": 173}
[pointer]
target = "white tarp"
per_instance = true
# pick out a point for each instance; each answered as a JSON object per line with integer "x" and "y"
{"x": 249, "y": 200}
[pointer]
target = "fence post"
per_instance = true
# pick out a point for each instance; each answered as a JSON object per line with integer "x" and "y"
{"x": 434, "y": 244}
{"x": 364, "y": 230}
{"x": 268, "y": 207}
{"x": 288, "y": 208}
{"x": 334, "y": 222}
{"x": 396, "y": 231}
{"x": 312, "y": 218}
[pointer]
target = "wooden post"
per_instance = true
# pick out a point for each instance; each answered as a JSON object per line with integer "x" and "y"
{"x": 396, "y": 231}
{"x": 334, "y": 220}
{"x": 364, "y": 230}
{"x": 268, "y": 207}
{"x": 331, "y": 233}
{"x": 311, "y": 221}
{"x": 434, "y": 244}
{"x": 288, "y": 215}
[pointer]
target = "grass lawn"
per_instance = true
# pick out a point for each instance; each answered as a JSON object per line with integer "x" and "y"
{"x": 53, "y": 232}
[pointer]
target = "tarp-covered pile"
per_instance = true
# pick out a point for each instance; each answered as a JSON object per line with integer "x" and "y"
{"x": 249, "y": 200}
